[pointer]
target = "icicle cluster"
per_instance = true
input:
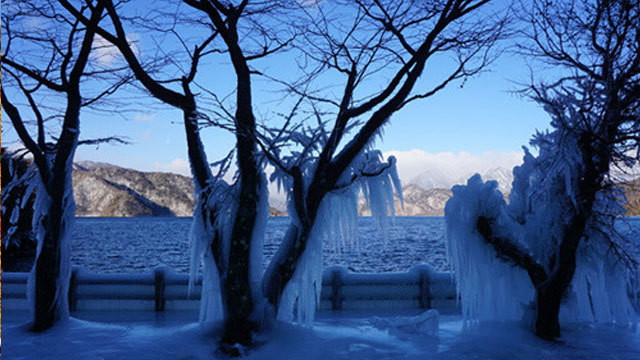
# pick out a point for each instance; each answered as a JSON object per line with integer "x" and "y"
{"x": 335, "y": 224}
{"x": 212, "y": 218}
{"x": 18, "y": 192}
{"x": 256, "y": 267}
{"x": 41, "y": 224}
{"x": 301, "y": 295}
{"x": 599, "y": 286}
{"x": 379, "y": 190}
{"x": 489, "y": 288}
{"x": 539, "y": 209}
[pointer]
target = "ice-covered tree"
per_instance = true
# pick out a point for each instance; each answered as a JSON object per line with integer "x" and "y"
{"x": 226, "y": 228}
{"x": 558, "y": 229}
{"x": 17, "y": 204}
{"x": 361, "y": 41}
{"x": 45, "y": 59}
{"x": 352, "y": 45}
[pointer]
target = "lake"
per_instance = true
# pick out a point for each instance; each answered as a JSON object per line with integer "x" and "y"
{"x": 135, "y": 245}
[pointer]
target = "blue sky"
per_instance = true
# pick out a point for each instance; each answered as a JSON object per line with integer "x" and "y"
{"x": 482, "y": 118}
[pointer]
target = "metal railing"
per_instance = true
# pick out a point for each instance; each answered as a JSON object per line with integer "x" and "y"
{"x": 165, "y": 290}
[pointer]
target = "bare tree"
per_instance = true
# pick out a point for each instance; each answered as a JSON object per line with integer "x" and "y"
{"x": 594, "y": 109}
{"x": 45, "y": 59}
{"x": 394, "y": 38}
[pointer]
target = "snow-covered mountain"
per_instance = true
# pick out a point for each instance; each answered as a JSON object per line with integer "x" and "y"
{"x": 443, "y": 179}
{"x": 417, "y": 202}
{"x": 108, "y": 190}
{"x": 102, "y": 189}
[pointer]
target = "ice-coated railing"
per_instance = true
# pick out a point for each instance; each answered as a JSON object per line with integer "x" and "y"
{"x": 165, "y": 290}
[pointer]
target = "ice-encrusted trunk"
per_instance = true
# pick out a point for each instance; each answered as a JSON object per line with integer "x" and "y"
{"x": 53, "y": 221}
{"x": 230, "y": 255}
{"x": 240, "y": 291}
{"x": 549, "y": 293}
{"x": 49, "y": 280}
{"x": 328, "y": 172}
{"x": 236, "y": 283}
{"x": 204, "y": 231}
{"x": 550, "y": 287}
{"x": 285, "y": 262}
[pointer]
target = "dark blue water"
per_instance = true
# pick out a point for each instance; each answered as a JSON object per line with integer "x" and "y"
{"x": 134, "y": 245}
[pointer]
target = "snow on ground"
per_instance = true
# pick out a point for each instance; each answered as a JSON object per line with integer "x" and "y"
{"x": 336, "y": 335}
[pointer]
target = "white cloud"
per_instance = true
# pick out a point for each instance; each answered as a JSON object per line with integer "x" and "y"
{"x": 178, "y": 166}
{"x": 309, "y": 3}
{"x": 105, "y": 53}
{"x": 142, "y": 117}
{"x": 448, "y": 166}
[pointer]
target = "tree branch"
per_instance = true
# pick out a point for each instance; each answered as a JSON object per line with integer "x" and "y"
{"x": 508, "y": 251}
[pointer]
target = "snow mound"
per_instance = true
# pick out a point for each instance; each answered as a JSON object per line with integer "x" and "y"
{"x": 336, "y": 335}
{"x": 424, "y": 324}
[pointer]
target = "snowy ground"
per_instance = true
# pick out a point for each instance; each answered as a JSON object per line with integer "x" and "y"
{"x": 336, "y": 335}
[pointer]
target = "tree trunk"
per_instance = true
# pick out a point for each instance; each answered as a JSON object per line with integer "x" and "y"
{"x": 550, "y": 293}
{"x": 276, "y": 277}
{"x": 239, "y": 300}
{"x": 49, "y": 280}
{"x": 284, "y": 264}
{"x": 549, "y": 298}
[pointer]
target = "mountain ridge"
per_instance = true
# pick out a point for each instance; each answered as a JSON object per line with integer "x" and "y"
{"x": 108, "y": 190}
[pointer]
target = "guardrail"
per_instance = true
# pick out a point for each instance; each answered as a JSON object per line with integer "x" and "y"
{"x": 165, "y": 290}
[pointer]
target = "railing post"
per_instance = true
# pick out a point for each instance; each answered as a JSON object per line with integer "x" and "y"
{"x": 336, "y": 289}
{"x": 73, "y": 288}
{"x": 423, "y": 272}
{"x": 425, "y": 292}
{"x": 160, "y": 285}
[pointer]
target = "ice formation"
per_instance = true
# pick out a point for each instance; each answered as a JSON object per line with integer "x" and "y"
{"x": 489, "y": 288}
{"x": 257, "y": 244}
{"x": 213, "y": 219}
{"x": 425, "y": 324}
{"x": 41, "y": 224}
{"x": 301, "y": 295}
{"x": 335, "y": 223}
{"x": 24, "y": 186}
{"x": 379, "y": 190}
{"x": 215, "y": 202}
{"x": 539, "y": 210}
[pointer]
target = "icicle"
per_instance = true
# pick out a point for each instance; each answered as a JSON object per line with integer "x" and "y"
{"x": 488, "y": 287}
{"x": 335, "y": 224}
{"x": 257, "y": 243}
{"x": 216, "y": 201}
{"x": 393, "y": 173}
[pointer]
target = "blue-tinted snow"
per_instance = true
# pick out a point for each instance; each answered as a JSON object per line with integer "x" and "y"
{"x": 336, "y": 335}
